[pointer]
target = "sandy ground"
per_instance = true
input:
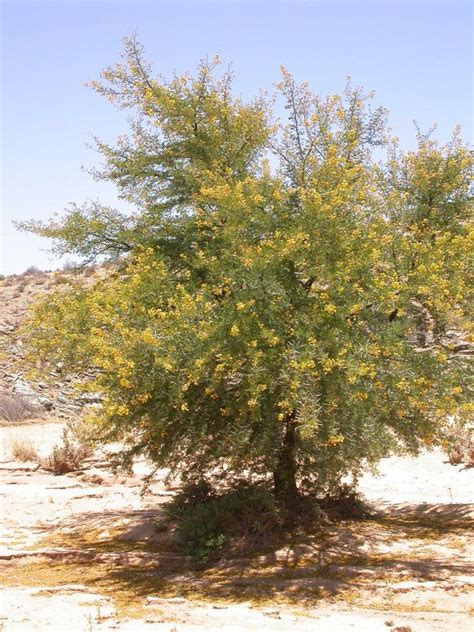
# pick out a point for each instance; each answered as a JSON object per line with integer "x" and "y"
{"x": 82, "y": 552}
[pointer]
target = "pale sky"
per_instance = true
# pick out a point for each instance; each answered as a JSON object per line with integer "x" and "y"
{"x": 417, "y": 56}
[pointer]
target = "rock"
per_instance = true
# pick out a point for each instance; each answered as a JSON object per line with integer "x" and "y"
{"x": 90, "y": 398}
{"x": 95, "y": 479}
{"x": 26, "y": 392}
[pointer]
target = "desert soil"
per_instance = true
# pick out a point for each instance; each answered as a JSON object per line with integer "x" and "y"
{"x": 82, "y": 552}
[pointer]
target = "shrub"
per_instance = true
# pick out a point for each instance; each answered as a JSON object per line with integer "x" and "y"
{"x": 345, "y": 503}
{"x": 67, "y": 457}
{"x": 71, "y": 267}
{"x": 23, "y": 450}
{"x": 32, "y": 271}
{"x": 459, "y": 444}
{"x": 60, "y": 278}
{"x": 209, "y": 522}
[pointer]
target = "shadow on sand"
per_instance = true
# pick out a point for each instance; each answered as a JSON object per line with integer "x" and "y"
{"x": 124, "y": 553}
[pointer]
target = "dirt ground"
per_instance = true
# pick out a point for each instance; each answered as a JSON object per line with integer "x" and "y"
{"x": 82, "y": 552}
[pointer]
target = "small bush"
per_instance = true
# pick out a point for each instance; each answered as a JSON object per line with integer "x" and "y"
{"x": 242, "y": 518}
{"x": 67, "y": 457}
{"x": 32, "y": 271}
{"x": 60, "y": 278}
{"x": 70, "y": 266}
{"x": 14, "y": 408}
{"x": 459, "y": 444}
{"x": 23, "y": 450}
{"x": 345, "y": 503}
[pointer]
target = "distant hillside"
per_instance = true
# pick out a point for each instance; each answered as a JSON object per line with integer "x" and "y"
{"x": 20, "y": 397}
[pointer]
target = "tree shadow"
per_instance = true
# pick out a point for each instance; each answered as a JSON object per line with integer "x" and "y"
{"x": 128, "y": 555}
{"x": 450, "y": 516}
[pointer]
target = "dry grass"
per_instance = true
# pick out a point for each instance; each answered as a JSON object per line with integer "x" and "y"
{"x": 114, "y": 583}
{"x": 23, "y": 450}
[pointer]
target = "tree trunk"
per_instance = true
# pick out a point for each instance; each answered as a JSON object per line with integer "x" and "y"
{"x": 284, "y": 475}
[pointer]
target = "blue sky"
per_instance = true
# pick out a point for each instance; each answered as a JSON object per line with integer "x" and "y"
{"x": 415, "y": 55}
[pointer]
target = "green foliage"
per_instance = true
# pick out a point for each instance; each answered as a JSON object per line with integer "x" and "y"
{"x": 241, "y": 518}
{"x": 280, "y": 298}
{"x": 345, "y": 503}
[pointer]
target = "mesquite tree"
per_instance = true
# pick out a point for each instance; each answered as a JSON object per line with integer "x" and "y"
{"x": 279, "y": 299}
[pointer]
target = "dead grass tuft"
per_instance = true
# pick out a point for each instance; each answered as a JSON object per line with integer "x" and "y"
{"x": 23, "y": 450}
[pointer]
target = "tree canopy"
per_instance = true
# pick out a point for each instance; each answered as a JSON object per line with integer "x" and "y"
{"x": 281, "y": 294}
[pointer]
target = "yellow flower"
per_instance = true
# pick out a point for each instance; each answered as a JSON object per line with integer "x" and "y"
{"x": 148, "y": 337}
{"x": 335, "y": 440}
{"x": 121, "y": 410}
{"x": 329, "y": 364}
{"x": 234, "y": 331}
{"x": 141, "y": 398}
